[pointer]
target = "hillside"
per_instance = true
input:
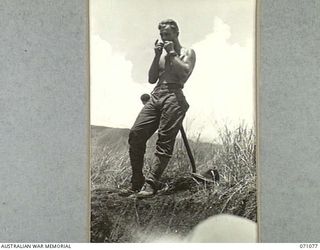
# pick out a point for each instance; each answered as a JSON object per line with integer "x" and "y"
{"x": 185, "y": 202}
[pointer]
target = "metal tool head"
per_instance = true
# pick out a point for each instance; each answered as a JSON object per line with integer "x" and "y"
{"x": 210, "y": 175}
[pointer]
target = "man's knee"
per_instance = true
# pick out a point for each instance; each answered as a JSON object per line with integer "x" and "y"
{"x": 136, "y": 138}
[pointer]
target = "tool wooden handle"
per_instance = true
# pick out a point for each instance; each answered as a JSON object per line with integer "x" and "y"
{"x": 186, "y": 144}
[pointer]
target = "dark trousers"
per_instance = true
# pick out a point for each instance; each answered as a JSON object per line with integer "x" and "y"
{"x": 164, "y": 111}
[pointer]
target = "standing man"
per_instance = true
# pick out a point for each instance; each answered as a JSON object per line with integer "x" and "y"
{"x": 164, "y": 111}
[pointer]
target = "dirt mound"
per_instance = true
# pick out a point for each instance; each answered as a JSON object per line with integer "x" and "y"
{"x": 174, "y": 211}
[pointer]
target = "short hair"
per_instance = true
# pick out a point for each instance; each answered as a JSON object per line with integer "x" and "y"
{"x": 173, "y": 25}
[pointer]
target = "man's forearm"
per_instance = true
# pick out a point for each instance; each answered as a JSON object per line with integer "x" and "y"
{"x": 154, "y": 70}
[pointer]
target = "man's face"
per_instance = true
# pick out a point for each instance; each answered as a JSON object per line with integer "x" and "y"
{"x": 168, "y": 34}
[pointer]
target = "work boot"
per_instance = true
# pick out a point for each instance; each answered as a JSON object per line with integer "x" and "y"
{"x": 137, "y": 183}
{"x": 147, "y": 190}
{"x": 127, "y": 192}
{"x": 135, "y": 188}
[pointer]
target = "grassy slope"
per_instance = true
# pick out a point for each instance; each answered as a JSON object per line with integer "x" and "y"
{"x": 118, "y": 219}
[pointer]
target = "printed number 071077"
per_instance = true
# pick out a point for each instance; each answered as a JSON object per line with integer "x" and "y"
{"x": 305, "y": 245}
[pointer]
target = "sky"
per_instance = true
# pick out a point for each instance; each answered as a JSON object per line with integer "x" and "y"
{"x": 220, "y": 90}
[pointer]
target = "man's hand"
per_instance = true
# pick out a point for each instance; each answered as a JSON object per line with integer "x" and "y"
{"x": 158, "y": 46}
{"x": 169, "y": 46}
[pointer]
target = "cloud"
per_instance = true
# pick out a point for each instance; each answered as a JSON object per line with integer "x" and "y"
{"x": 115, "y": 97}
{"x": 221, "y": 88}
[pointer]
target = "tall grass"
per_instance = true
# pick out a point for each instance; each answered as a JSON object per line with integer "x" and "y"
{"x": 116, "y": 219}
